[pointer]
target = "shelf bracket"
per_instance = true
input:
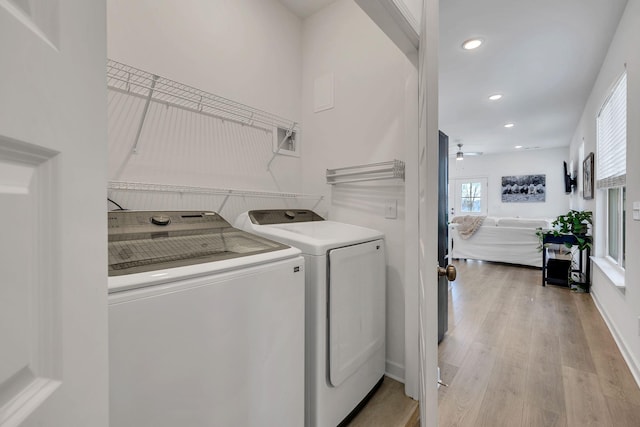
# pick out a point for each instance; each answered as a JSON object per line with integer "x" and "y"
{"x": 134, "y": 149}
{"x": 317, "y": 203}
{"x": 224, "y": 202}
{"x": 144, "y": 113}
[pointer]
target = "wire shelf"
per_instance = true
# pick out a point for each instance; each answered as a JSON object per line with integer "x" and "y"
{"x": 370, "y": 172}
{"x": 133, "y": 81}
{"x": 166, "y": 188}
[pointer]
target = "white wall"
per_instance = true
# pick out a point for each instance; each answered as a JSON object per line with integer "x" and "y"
{"x": 253, "y": 51}
{"x": 530, "y": 162}
{"x": 248, "y": 51}
{"x": 245, "y": 50}
{"x": 620, "y": 310}
{"x": 374, "y": 115}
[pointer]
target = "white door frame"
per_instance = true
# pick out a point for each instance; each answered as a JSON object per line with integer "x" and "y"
{"x": 418, "y": 39}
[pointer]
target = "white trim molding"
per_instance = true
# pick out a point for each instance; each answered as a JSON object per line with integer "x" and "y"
{"x": 631, "y": 361}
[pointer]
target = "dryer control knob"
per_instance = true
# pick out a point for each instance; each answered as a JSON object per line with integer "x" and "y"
{"x": 290, "y": 214}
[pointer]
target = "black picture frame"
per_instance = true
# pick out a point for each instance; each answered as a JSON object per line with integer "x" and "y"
{"x": 587, "y": 177}
{"x": 524, "y": 188}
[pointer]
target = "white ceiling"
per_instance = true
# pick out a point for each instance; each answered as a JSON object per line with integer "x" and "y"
{"x": 543, "y": 56}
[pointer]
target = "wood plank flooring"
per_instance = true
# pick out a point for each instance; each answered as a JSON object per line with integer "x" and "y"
{"x": 519, "y": 354}
{"x": 388, "y": 407}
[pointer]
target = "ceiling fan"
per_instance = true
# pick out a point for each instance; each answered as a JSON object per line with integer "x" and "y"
{"x": 460, "y": 154}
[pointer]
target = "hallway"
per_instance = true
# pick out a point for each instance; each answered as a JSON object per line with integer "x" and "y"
{"x": 519, "y": 354}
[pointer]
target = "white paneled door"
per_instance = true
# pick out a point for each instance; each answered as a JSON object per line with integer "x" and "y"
{"x": 53, "y": 290}
{"x": 428, "y": 212}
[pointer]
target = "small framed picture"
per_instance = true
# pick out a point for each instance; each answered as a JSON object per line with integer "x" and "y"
{"x": 587, "y": 177}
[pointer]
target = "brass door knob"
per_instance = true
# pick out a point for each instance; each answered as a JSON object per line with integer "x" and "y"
{"x": 449, "y": 271}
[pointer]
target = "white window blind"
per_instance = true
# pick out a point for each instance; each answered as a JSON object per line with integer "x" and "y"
{"x": 612, "y": 138}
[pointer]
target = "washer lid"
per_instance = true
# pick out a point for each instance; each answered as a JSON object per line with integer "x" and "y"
{"x": 168, "y": 276}
{"x": 143, "y": 241}
{"x": 312, "y": 237}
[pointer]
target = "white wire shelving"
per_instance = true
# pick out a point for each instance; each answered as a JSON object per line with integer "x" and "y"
{"x": 133, "y": 81}
{"x": 226, "y": 192}
{"x": 393, "y": 169}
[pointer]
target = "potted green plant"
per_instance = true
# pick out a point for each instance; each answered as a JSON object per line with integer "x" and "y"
{"x": 574, "y": 222}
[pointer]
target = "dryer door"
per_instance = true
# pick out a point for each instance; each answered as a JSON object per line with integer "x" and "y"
{"x": 356, "y": 315}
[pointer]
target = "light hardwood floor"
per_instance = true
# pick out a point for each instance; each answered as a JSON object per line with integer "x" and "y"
{"x": 388, "y": 407}
{"x": 519, "y": 354}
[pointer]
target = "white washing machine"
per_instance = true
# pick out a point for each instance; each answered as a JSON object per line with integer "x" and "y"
{"x": 345, "y": 308}
{"x": 205, "y": 324}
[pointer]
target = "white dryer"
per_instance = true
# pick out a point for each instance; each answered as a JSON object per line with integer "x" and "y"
{"x": 344, "y": 309}
{"x": 205, "y": 324}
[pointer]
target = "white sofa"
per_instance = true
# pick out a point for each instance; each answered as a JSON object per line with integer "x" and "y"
{"x": 508, "y": 240}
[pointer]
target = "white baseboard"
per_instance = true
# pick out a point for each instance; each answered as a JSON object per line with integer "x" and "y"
{"x": 394, "y": 371}
{"x": 631, "y": 361}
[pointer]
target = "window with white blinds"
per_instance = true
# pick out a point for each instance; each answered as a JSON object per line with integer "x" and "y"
{"x": 612, "y": 138}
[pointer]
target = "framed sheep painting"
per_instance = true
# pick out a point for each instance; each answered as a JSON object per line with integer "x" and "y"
{"x": 524, "y": 188}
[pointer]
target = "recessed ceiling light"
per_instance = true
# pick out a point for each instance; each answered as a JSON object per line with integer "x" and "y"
{"x": 495, "y": 97}
{"x": 509, "y": 125}
{"x": 518, "y": 146}
{"x": 471, "y": 44}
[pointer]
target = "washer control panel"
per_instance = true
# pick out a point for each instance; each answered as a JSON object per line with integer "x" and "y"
{"x": 123, "y": 222}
